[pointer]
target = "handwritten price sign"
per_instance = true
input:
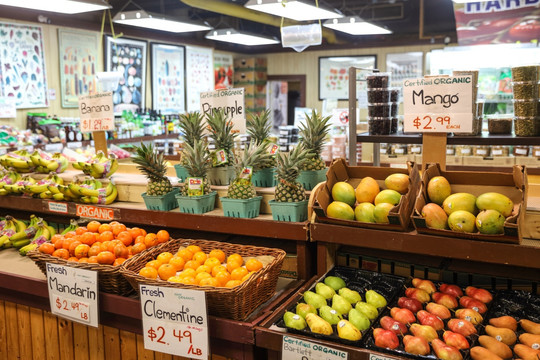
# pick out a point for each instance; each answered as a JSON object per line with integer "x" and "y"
{"x": 175, "y": 321}
{"x": 296, "y": 349}
{"x": 73, "y": 308}
{"x": 96, "y": 112}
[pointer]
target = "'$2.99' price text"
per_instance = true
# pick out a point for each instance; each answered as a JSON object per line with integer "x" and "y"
{"x": 160, "y": 333}
{"x": 429, "y": 123}
{"x": 72, "y": 308}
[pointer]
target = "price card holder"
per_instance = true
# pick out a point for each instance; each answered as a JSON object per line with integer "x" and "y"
{"x": 175, "y": 321}
{"x": 73, "y": 293}
{"x": 97, "y": 116}
{"x": 297, "y": 349}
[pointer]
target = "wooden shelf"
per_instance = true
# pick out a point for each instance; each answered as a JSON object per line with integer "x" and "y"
{"x": 137, "y": 139}
{"x": 484, "y": 139}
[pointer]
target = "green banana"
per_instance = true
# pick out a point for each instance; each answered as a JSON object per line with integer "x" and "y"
{"x": 73, "y": 225}
{"x": 27, "y": 248}
{"x": 52, "y": 230}
{"x": 20, "y": 243}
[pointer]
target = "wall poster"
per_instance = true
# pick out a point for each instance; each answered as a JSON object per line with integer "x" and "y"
{"x": 128, "y": 57}
{"x": 199, "y": 75}
{"x": 78, "y": 52}
{"x": 168, "y": 78}
{"x": 22, "y": 65}
{"x": 223, "y": 71}
{"x": 334, "y": 74}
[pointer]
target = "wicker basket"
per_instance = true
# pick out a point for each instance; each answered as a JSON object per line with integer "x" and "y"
{"x": 233, "y": 303}
{"x": 110, "y": 279}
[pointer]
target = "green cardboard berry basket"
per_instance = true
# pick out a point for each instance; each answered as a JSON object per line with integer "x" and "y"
{"x": 289, "y": 211}
{"x": 264, "y": 177}
{"x": 196, "y": 204}
{"x": 241, "y": 208}
{"x": 181, "y": 172}
{"x": 165, "y": 202}
{"x": 310, "y": 178}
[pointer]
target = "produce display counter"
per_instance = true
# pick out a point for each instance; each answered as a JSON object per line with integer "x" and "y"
{"x": 484, "y": 139}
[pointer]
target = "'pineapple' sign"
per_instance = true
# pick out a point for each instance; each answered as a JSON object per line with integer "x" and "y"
{"x": 231, "y": 101}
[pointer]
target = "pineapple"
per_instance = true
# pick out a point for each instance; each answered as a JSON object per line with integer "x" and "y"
{"x": 192, "y": 127}
{"x": 288, "y": 169}
{"x": 313, "y": 133}
{"x": 197, "y": 162}
{"x": 221, "y": 132}
{"x": 152, "y": 164}
{"x": 258, "y": 127}
{"x": 254, "y": 156}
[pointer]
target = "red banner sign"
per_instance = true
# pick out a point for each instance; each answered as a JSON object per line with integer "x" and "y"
{"x": 497, "y": 21}
{"x": 95, "y": 212}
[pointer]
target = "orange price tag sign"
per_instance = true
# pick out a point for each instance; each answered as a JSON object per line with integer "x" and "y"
{"x": 96, "y": 112}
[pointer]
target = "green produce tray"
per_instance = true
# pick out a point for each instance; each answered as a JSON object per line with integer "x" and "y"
{"x": 196, "y": 204}
{"x": 221, "y": 175}
{"x": 241, "y": 208}
{"x": 181, "y": 172}
{"x": 289, "y": 211}
{"x": 310, "y": 178}
{"x": 264, "y": 177}
{"x": 165, "y": 202}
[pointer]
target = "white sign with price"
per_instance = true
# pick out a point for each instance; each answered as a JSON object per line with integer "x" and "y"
{"x": 231, "y": 101}
{"x": 296, "y": 349}
{"x": 73, "y": 293}
{"x": 96, "y": 112}
{"x": 175, "y": 321}
{"x": 438, "y": 104}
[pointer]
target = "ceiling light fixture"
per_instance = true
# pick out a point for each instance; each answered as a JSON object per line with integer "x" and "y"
{"x": 467, "y": 1}
{"x": 293, "y": 9}
{"x": 240, "y": 37}
{"x": 59, "y": 6}
{"x": 141, "y": 18}
{"x": 355, "y": 26}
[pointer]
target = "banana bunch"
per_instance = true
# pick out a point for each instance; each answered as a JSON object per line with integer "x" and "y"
{"x": 16, "y": 234}
{"x": 41, "y": 187}
{"x": 45, "y": 163}
{"x": 9, "y": 178}
{"x": 18, "y": 160}
{"x": 99, "y": 166}
{"x": 42, "y": 233}
{"x": 92, "y": 191}
{"x": 18, "y": 187}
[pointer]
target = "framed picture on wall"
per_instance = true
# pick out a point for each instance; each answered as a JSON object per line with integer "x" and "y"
{"x": 199, "y": 75}
{"x": 128, "y": 57}
{"x": 78, "y": 52}
{"x": 223, "y": 71}
{"x": 334, "y": 74}
{"x": 168, "y": 78}
{"x": 404, "y": 66}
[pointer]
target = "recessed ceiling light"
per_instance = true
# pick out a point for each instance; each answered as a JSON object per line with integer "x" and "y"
{"x": 355, "y": 26}
{"x": 293, "y": 9}
{"x": 240, "y": 37}
{"x": 141, "y": 18}
{"x": 59, "y": 6}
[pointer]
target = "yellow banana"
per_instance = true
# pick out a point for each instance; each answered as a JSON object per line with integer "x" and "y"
{"x": 20, "y": 225}
{"x": 52, "y": 230}
{"x": 58, "y": 196}
{"x": 107, "y": 200}
{"x": 46, "y": 195}
{"x": 76, "y": 166}
{"x": 54, "y": 188}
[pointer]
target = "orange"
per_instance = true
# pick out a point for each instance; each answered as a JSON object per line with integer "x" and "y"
{"x": 112, "y": 244}
{"x": 194, "y": 248}
{"x": 118, "y": 261}
{"x": 185, "y": 254}
{"x": 104, "y": 227}
{"x": 233, "y": 264}
{"x": 154, "y": 263}
{"x": 162, "y": 236}
{"x": 83, "y": 260}
{"x": 106, "y": 258}
{"x": 188, "y": 272}
{"x": 209, "y": 282}
{"x": 247, "y": 276}
{"x": 56, "y": 237}
{"x": 73, "y": 245}
{"x": 139, "y": 239}
{"x": 150, "y": 240}
{"x": 202, "y": 275}
{"x": 199, "y": 257}
{"x": 69, "y": 234}
{"x": 212, "y": 262}
{"x": 92, "y": 260}
{"x": 233, "y": 283}
{"x": 135, "y": 232}
{"x": 239, "y": 273}
{"x": 118, "y": 228}
{"x": 223, "y": 277}
{"x": 46, "y": 248}
{"x": 149, "y": 272}
{"x": 191, "y": 264}
{"x": 165, "y": 271}
{"x": 61, "y": 253}
{"x": 81, "y": 230}
{"x": 58, "y": 244}
{"x": 236, "y": 257}
{"x": 73, "y": 258}
{"x": 120, "y": 251}
{"x": 105, "y": 236}
{"x": 253, "y": 265}
{"x": 93, "y": 226}
{"x": 203, "y": 268}
{"x": 125, "y": 237}
{"x": 143, "y": 232}
{"x": 137, "y": 248}
{"x": 217, "y": 269}
{"x": 81, "y": 251}
{"x": 175, "y": 279}
{"x": 66, "y": 243}
{"x": 88, "y": 238}
{"x": 188, "y": 280}
{"x": 104, "y": 246}
{"x": 165, "y": 257}
{"x": 94, "y": 250}
{"x": 218, "y": 254}
{"x": 177, "y": 262}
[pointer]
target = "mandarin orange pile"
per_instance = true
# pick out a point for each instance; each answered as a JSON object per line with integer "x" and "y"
{"x": 108, "y": 244}
{"x": 192, "y": 266}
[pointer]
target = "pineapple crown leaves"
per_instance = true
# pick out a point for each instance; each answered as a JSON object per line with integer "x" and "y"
{"x": 289, "y": 165}
{"x": 258, "y": 126}
{"x": 197, "y": 159}
{"x": 192, "y": 126}
{"x": 254, "y": 156}
{"x": 150, "y": 163}
{"x": 221, "y": 129}
{"x": 313, "y": 132}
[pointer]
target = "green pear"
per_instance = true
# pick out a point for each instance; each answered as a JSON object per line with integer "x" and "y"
{"x": 294, "y": 321}
{"x": 318, "y": 325}
{"x": 335, "y": 282}
{"x": 330, "y": 315}
{"x": 348, "y": 331}
{"x": 359, "y": 319}
{"x": 324, "y": 290}
{"x": 367, "y": 309}
{"x": 314, "y": 299}
{"x": 303, "y": 309}
{"x": 350, "y": 295}
{"x": 375, "y": 299}
{"x": 340, "y": 304}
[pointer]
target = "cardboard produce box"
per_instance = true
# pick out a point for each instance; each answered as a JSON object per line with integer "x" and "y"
{"x": 399, "y": 215}
{"x": 513, "y": 185}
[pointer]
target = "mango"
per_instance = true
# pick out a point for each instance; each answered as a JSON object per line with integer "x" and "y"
{"x": 438, "y": 189}
{"x": 364, "y": 212}
{"x": 344, "y": 192}
{"x": 495, "y": 201}
{"x": 490, "y": 222}
{"x": 388, "y": 196}
{"x": 367, "y": 190}
{"x": 435, "y": 216}
{"x": 462, "y": 221}
{"x": 340, "y": 210}
{"x": 398, "y": 182}
{"x": 380, "y": 213}
{"x": 460, "y": 201}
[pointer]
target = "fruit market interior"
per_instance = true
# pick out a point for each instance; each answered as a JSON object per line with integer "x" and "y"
{"x": 269, "y": 179}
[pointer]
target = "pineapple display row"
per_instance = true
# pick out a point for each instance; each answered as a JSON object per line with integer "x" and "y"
{"x": 154, "y": 167}
{"x": 313, "y": 133}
